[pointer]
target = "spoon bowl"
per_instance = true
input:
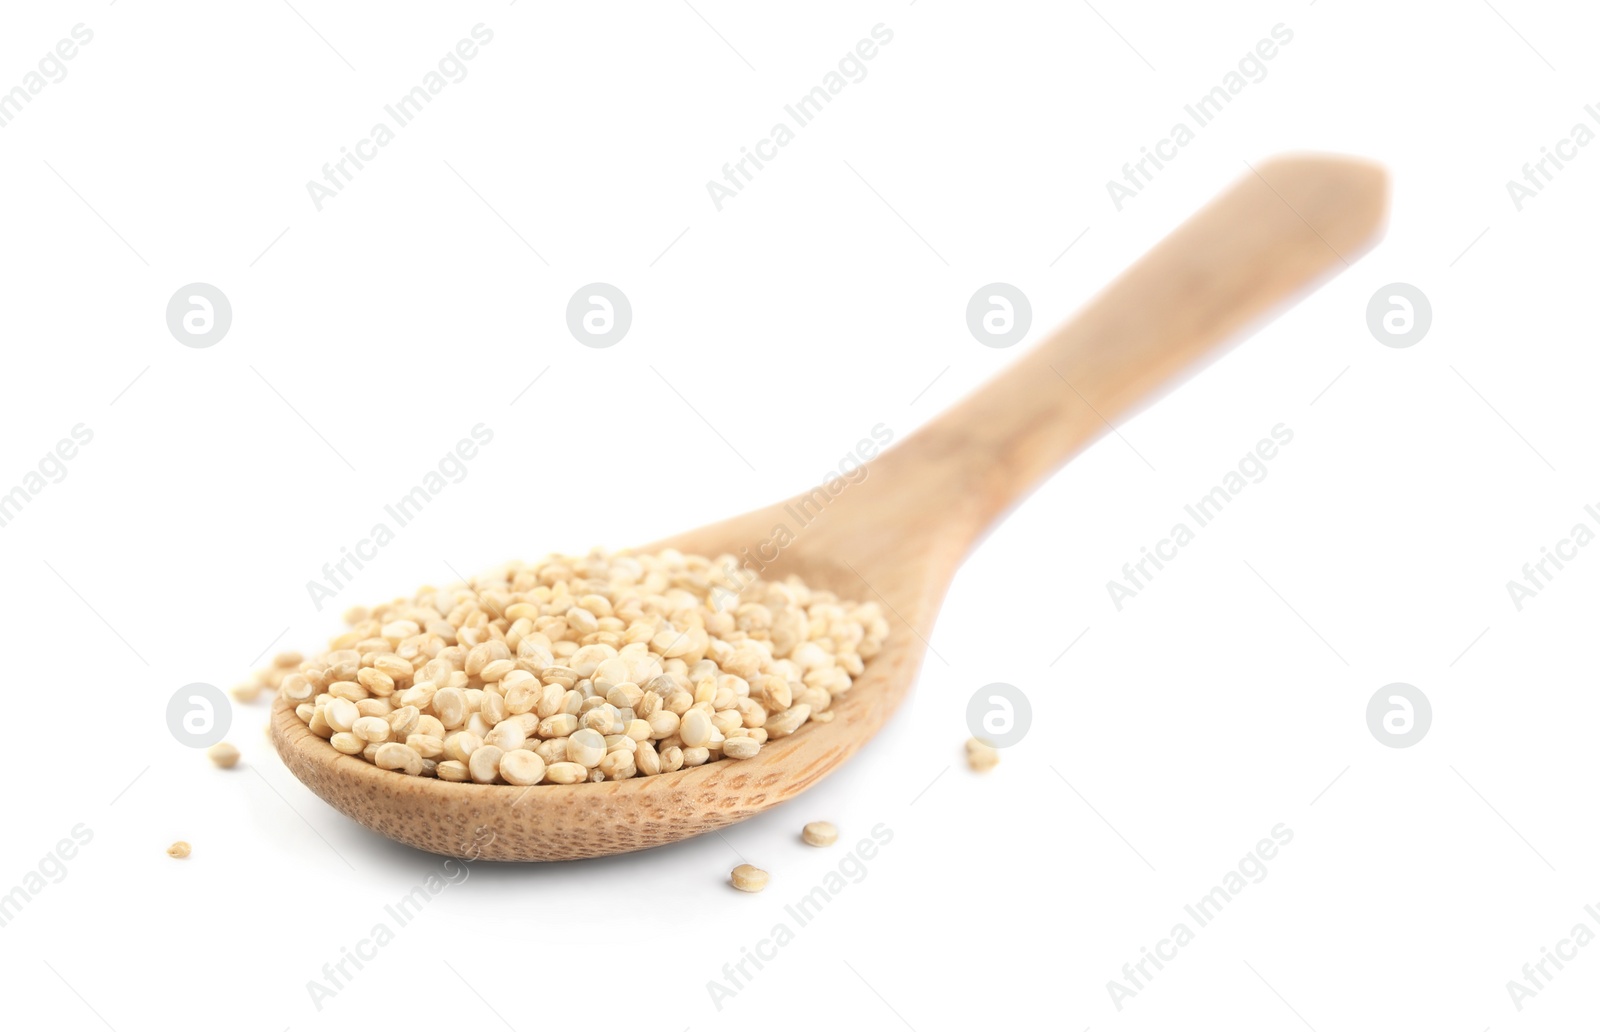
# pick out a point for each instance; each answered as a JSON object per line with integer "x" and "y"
{"x": 897, "y": 531}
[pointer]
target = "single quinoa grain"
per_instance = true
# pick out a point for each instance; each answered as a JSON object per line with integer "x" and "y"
{"x": 981, "y": 756}
{"x": 819, "y": 833}
{"x": 749, "y": 878}
{"x": 178, "y": 850}
{"x": 741, "y": 748}
{"x": 576, "y": 669}
{"x": 224, "y": 754}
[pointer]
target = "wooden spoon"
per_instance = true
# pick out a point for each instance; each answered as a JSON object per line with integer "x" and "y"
{"x": 898, "y": 535}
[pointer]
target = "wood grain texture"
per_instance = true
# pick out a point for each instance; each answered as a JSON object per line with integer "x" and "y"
{"x": 898, "y": 535}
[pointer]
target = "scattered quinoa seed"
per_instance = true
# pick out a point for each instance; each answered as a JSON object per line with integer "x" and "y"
{"x": 819, "y": 833}
{"x": 981, "y": 756}
{"x": 749, "y": 878}
{"x": 224, "y": 754}
{"x": 178, "y": 850}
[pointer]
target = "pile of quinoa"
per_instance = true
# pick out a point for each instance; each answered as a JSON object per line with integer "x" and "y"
{"x": 592, "y": 668}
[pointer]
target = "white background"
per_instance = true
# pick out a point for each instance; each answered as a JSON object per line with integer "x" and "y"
{"x": 1227, "y": 698}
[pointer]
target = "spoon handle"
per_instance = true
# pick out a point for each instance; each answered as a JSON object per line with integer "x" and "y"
{"x": 1284, "y": 225}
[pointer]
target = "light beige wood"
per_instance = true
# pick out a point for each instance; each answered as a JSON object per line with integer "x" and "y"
{"x": 898, "y": 535}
